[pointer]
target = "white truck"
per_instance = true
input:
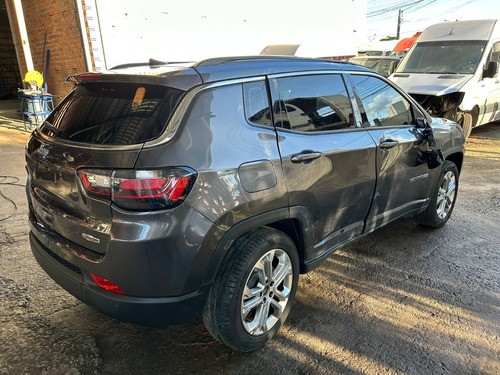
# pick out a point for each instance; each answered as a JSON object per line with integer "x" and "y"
{"x": 453, "y": 72}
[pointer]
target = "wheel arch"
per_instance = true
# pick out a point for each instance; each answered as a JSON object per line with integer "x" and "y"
{"x": 457, "y": 158}
{"x": 475, "y": 115}
{"x": 292, "y": 221}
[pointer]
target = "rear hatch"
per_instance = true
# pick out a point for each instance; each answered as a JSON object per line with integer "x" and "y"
{"x": 98, "y": 129}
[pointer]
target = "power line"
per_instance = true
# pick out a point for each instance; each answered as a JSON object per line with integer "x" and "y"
{"x": 395, "y": 6}
{"x": 382, "y": 10}
{"x": 378, "y": 8}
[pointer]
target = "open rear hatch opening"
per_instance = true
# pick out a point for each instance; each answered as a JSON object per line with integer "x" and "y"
{"x": 112, "y": 113}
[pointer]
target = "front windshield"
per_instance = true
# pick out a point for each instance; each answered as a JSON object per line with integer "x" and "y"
{"x": 369, "y": 63}
{"x": 452, "y": 57}
{"x": 382, "y": 66}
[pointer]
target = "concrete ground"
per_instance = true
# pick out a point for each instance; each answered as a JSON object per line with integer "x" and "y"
{"x": 404, "y": 300}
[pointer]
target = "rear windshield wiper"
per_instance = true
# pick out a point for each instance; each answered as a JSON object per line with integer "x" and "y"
{"x": 54, "y": 130}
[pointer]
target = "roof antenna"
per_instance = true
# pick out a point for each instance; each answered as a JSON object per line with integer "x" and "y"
{"x": 154, "y": 62}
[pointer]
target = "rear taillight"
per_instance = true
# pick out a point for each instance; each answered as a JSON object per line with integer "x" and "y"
{"x": 140, "y": 189}
{"x": 106, "y": 284}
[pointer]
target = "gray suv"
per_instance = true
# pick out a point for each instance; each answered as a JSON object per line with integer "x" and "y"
{"x": 162, "y": 192}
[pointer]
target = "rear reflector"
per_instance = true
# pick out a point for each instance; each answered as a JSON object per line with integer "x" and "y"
{"x": 140, "y": 189}
{"x": 147, "y": 188}
{"x": 106, "y": 284}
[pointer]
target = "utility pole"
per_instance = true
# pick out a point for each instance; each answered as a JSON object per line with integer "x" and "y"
{"x": 400, "y": 19}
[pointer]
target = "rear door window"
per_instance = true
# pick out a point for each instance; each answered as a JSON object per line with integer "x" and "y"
{"x": 108, "y": 113}
{"x": 313, "y": 103}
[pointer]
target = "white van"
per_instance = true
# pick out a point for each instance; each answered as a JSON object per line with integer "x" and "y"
{"x": 453, "y": 72}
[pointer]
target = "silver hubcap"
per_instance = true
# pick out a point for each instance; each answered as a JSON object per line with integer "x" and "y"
{"x": 267, "y": 291}
{"x": 446, "y": 195}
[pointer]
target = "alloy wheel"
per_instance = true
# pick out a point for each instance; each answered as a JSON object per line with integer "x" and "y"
{"x": 446, "y": 195}
{"x": 266, "y": 292}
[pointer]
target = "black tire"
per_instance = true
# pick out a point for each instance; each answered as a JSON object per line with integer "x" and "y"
{"x": 224, "y": 314}
{"x": 466, "y": 124}
{"x": 443, "y": 198}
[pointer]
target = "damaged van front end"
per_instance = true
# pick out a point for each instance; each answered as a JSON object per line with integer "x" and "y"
{"x": 452, "y": 71}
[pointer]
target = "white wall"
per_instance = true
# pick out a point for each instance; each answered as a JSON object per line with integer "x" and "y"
{"x": 134, "y": 31}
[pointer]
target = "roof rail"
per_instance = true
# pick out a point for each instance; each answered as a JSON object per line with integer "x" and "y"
{"x": 221, "y": 60}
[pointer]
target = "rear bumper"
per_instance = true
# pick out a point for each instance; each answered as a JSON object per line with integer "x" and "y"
{"x": 155, "y": 312}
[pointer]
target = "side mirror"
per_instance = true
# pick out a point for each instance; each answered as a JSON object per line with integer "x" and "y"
{"x": 422, "y": 123}
{"x": 491, "y": 70}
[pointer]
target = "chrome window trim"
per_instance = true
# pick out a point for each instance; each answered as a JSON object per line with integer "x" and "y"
{"x": 307, "y": 73}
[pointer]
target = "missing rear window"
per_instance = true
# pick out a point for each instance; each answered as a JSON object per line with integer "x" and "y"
{"x": 113, "y": 113}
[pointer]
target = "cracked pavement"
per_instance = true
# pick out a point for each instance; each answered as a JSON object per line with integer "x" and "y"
{"x": 403, "y": 300}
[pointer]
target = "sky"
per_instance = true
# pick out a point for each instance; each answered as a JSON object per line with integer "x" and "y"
{"x": 190, "y": 30}
{"x": 382, "y": 15}
{"x": 132, "y": 30}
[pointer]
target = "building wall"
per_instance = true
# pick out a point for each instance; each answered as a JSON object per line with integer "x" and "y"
{"x": 91, "y": 67}
{"x": 9, "y": 69}
{"x": 59, "y": 20}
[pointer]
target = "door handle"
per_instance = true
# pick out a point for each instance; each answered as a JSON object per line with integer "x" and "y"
{"x": 389, "y": 144}
{"x": 305, "y": 156}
